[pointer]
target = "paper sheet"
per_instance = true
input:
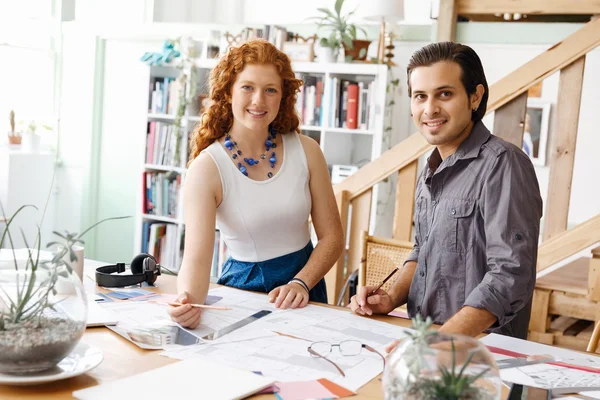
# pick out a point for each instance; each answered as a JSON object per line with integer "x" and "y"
{"x": 286, "y": 359}
{"x": 183, "y": 380}
{"x": 548, "y": 376}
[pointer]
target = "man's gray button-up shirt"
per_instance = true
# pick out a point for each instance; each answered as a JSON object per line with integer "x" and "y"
{"x": 476, "y": 243}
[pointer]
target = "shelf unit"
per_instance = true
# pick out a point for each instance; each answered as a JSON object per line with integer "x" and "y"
{"x": 341, "y": 146}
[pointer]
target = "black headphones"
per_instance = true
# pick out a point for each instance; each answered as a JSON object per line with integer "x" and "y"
{"x": 144, "y": 268}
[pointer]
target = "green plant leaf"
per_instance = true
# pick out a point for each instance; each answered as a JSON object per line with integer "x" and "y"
{"x": 352, "y": 31}
{"x": 326, "y": 12}
{"x": 7, "y": 225}
{"x": 362, "y": 53}
{"x": 347, "y": 41}
{"x": 101, "y": 221}
{"x": 338, "y": 6}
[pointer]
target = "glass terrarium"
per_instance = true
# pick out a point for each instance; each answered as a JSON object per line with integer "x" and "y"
{"x": 428, "y": 365}
{"x": 43, "y": 312}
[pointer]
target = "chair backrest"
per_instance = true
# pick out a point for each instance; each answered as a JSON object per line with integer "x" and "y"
{"x": 379, "y": 257}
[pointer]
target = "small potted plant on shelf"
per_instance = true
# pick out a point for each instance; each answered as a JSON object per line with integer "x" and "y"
{"x": 341, "y": 29}
{"x": 427, "y": 365}
{"x": 329, "y": 49}
{"x": 43, "y": 308}
{"x": 14, "y": 137}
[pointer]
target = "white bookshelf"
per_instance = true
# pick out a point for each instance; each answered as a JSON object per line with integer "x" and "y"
{"x": 342, "y": 146}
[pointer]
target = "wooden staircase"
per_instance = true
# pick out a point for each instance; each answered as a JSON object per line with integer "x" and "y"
{"x": 508, "y": 99}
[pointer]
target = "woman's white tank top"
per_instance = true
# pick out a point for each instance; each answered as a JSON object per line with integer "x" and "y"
{"x": 261, "y": 220}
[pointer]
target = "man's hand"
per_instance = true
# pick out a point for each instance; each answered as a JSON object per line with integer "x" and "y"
{"x": 292, "y": 295}
{"x": 379, "y": 303}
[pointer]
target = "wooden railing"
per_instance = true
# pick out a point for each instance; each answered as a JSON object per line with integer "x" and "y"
{"x": 508, "y": 98}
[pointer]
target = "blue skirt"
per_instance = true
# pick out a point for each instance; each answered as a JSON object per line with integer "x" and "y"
{"x": 264, "y": 276}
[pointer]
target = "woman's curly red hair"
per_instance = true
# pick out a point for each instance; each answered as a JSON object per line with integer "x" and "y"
{"x": 218, "y": 118}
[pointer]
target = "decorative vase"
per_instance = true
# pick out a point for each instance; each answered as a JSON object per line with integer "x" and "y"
{"x": 327, "y": 54}
{"x": 43, "y": 313}
{"x": 31, "y": 142}
{"x": 438, "y": 366}
{"x": 359, "y": 49}
{"x": 14, "y": 139}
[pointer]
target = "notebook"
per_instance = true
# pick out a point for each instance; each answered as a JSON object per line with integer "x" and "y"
{"x": 191, "y": 378}
{"x": 99, "y": 316}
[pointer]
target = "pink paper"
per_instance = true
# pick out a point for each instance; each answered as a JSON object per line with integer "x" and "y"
{"x": 303, "y": 390}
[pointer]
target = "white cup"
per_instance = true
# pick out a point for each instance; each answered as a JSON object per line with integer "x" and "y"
{"x": 30, "y": 142}
{"x": 76, "y": 265}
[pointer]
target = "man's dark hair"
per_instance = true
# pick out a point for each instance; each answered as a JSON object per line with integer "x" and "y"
{"x": 469, "y": 62}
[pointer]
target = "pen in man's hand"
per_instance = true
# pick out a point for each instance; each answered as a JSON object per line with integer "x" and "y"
{"x": 387, "y": 278}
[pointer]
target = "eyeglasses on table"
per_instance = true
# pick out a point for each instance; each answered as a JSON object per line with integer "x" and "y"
{"x": 346, "y": 348}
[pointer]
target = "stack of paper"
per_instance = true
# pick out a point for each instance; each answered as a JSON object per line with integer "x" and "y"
{"x": 194, "y": 378}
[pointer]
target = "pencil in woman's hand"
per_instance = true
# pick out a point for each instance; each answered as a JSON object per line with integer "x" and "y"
{"x": 176, "y": 304}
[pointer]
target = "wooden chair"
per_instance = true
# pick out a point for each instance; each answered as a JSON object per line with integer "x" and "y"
{"x": 593, "y": 343}
{"x": 379, "y": 257}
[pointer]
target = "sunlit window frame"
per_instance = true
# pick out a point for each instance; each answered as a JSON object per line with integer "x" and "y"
{"x": 47, "y": 39}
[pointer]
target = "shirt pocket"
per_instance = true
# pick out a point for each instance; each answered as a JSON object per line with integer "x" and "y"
{"x": 458, "y": 225}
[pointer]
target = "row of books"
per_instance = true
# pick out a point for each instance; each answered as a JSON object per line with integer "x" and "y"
{"x": 161, "y": 144}
{"x": 161, "y": 194}
{"x": 309, "y": 104}
{"x": 352, "y": 104}
{"x": 275, "y": 34}
{"x": 164, "y": 95}
{"x": 161, "y": 241}
{"x": 165, "y": 241}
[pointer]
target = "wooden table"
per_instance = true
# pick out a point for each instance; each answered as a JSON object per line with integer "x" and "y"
{"x": 122, "y": 359}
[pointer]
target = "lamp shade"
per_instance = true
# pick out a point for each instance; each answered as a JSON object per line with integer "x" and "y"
{"x": 375, "y": 10}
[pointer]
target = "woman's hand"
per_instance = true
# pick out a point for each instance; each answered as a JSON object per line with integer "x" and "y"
{"x": 292, "y": 295}
{"x": 185, "y": 315}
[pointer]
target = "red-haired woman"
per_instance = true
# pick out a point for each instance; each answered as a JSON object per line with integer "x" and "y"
{"x": 253, "y": 174}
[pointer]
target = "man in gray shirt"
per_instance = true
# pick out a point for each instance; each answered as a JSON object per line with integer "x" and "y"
{"x": 478, "y": 208}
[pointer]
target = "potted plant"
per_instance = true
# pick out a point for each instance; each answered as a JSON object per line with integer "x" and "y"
{"x": 43, "y": 308}
{"x": 343, "y": 31}
{"x": 427, "y": 365}
{"x": 31, "y": 138}
{"x": 14, "y": 137}
{"x": 329, "y": 49}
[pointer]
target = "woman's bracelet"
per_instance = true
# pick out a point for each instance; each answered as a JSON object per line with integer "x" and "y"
{"x": 301, "y": 283}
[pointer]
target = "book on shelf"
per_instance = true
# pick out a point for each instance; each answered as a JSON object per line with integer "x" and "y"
{"x": 161, "y": 193}
{"x": 164, "y": 95}
{"x": 159, "y": 239}
{"x": 352, "y": 107}
{"x": 309, "y": 103}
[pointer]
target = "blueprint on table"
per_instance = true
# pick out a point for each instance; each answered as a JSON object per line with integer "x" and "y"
{"x": 277, "y": 344}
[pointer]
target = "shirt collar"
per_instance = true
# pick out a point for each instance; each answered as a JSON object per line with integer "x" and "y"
{"x": 469, "y": 148}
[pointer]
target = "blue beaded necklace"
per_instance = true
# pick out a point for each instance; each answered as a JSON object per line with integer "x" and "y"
{"x": 269, "y": 144}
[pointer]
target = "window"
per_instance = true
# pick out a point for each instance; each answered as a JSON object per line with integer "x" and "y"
{"x": 28, "y": 40}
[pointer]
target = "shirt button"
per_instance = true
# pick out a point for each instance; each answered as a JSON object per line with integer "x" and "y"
{"x": 434, "y": 202}
{"x": 453, "y": 211}
{"x": 418, "y": 309}
{"x": 422, "y": 273}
